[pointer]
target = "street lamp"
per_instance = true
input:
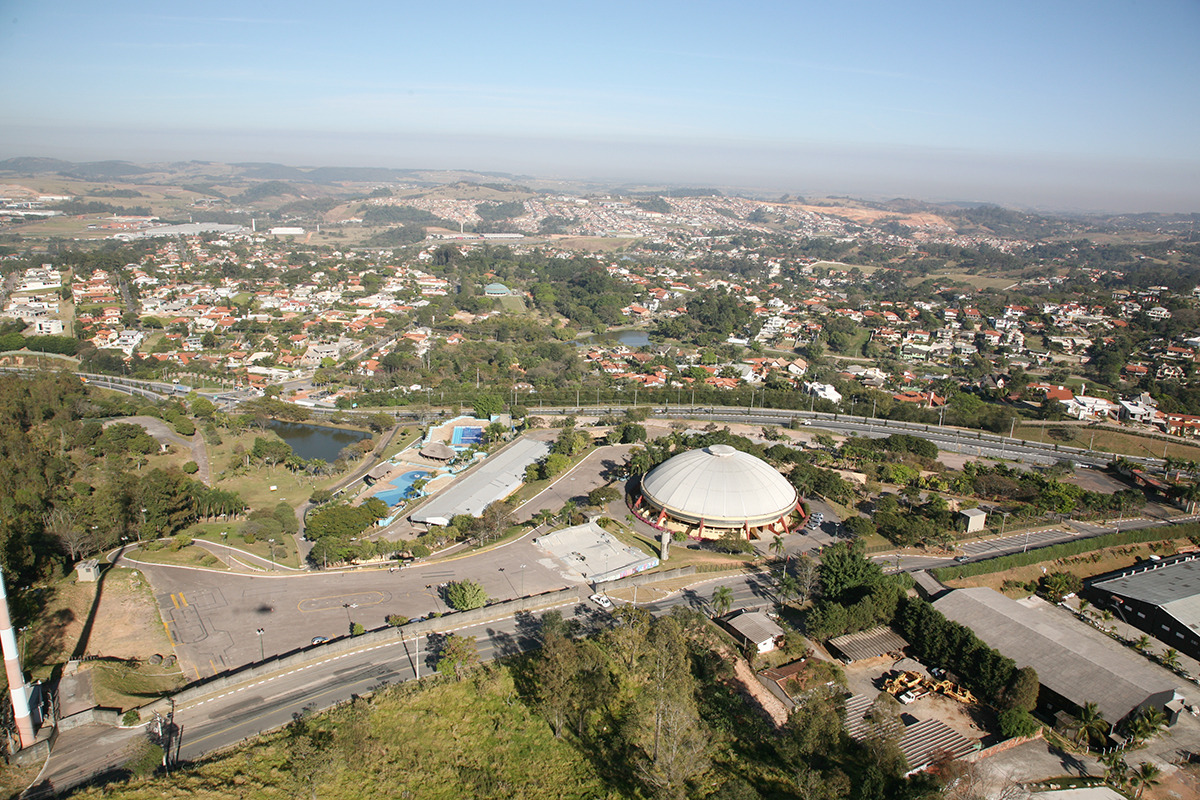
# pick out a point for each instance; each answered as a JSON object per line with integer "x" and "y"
{"x": 143, "y": 524}
{"x": 272, "y": 546}
{"x": 522, "y": 580}
{"x": 225, "y": 538}
{"x": 262, "y": 653}
{"x": 1003, "y": 521}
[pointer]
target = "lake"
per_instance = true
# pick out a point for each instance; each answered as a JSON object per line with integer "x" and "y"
{"x": 315, "y": 441}
{"x": 629, "y": 338}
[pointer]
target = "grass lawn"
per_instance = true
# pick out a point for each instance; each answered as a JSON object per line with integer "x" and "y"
{"x": 1110, "y": 441}
{"x": 513, "y": 304}
{"x": 1084, "y": 565}
{"x": 254, "y": 485}
{"x": 285, "y": 544}
{"x": 117, "y": 684}
{"x": 190, "y": 556}
{"x": 979, "y": 282}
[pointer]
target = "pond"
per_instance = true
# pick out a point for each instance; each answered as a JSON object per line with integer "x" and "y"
{"x": 316, "y": 441}
{"x": 629, "y": 338}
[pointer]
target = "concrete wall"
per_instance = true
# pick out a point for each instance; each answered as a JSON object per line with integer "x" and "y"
{"x": 99, "y": 715}
{"x": 651, "y": 577}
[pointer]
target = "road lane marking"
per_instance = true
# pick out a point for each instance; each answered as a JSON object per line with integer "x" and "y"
{"x": 175, "y": 601}
{"x": 214, "y": 666}
{"x": 170, "y": 638}
{"x": 183, "y": 599}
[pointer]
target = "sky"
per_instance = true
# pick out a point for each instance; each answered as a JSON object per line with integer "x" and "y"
{"x": 1053, "y": 104}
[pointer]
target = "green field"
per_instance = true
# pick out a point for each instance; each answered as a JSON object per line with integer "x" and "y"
{"x": 1110, "y": 441}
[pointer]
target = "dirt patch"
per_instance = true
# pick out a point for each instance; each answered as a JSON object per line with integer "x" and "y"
{"x": 771, "y": 705}
{"x": 1084, "y": 565}
{"x": 126, "y": 623}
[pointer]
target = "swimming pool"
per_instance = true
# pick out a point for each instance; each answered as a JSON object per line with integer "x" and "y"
{"x": 403, "y": 487}
{"x": 467, "y": 435}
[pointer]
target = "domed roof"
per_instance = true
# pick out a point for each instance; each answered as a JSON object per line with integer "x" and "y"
{"x": 720, "y": 486}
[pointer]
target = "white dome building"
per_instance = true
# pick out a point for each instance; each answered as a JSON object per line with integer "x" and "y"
{"x": 715, "y": 489}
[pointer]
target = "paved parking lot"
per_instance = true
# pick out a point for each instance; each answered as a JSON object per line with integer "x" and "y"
{"x": 214, "y": 617}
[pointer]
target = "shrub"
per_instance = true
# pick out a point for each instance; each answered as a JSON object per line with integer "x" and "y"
{"x": 248, "y": 537}
{"x": 191, "y": 468}
{"x": 357, "y": 629}
{"x": 466, "y": 595}
{"x": 419, "y": 550}
{"x": 396, "y": 620}
{"x": 131, "y": 718}
{"x": 181, "y": 541}
{"x": 1017, "y": 722}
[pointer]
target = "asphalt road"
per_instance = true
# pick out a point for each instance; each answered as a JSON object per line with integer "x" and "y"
{"x": 231, "y": 717}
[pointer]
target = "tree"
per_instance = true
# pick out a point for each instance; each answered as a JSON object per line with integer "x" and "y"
{"x": 458, "y": 656}
{"x": 1016, "y": 722}
{"x": 806, "y": 571}
{"x": 75, "y": 537}
{"x": 722, "y": 601}
{"x": 778, "y": 547}
{"x": 1170, "y": 658}
{"x": 1115, "y": 769}
{"x": 1022, "y": 691}
{"x": 488, "y": 405}
{"x": 465, "y": 595}
{"x": 1090, "y": 723}
{"x": 1145, "y": 776}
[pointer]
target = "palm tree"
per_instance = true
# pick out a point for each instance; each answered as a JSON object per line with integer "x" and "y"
{"x": 1142, "y": 643}
{"x": 1091, "y": 723}
{"x": 1115, "y": 768}
{"x": 777, "y": 546}
{"x": 722, "y": 601}
{"x": 1170, "y": 658}
{"x": 789, "y": 588}
{"x": 1145, "y": 776}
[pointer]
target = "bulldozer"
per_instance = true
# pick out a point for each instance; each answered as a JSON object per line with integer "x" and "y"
{"x": 902, "y": 682}
{"x": 955, "y": 692}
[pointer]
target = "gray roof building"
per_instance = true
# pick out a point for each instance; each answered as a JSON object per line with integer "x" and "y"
{"x": 1074, "y": 661}
{"x": 495, "y": 479}
{"x": 755, "y": 627}
{"x": 1173, "y": 586}
{"x": 1160, "y": 596}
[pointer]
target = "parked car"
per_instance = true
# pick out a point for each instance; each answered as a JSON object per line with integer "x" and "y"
{"x": 320, "y": 639}
{"x": 962, "y": 559}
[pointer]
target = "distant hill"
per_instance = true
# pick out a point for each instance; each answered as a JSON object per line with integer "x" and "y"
{"x": 104, "y": 170}
{"x": 29, "y": 165}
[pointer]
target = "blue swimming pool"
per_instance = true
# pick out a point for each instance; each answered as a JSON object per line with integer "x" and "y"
{"x": 467, "y": 435}
{"x": 403, "y": 487}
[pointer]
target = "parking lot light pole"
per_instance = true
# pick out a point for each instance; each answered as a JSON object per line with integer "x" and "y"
{"x": 262, "y": 653}
{"x": 272, "y": 546}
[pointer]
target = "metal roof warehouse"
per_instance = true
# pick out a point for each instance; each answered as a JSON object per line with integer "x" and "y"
{"x": 1073, "y": 661}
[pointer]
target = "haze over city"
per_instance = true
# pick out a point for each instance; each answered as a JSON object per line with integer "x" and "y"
{"x": 1059, "y": 106}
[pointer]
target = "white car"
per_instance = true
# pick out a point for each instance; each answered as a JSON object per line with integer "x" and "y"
{"x": 601, "y": 601}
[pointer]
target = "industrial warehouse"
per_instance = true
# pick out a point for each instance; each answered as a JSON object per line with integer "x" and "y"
{"x": 1159, "y": 596}
{"x": 1075, "y": 663}
{"x": 708, "y": 492}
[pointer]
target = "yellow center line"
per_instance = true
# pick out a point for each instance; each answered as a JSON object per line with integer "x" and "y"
{"x": 170, "y": 638}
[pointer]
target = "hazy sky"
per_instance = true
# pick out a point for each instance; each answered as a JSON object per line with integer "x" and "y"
{"x": 1088, "y": 104}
